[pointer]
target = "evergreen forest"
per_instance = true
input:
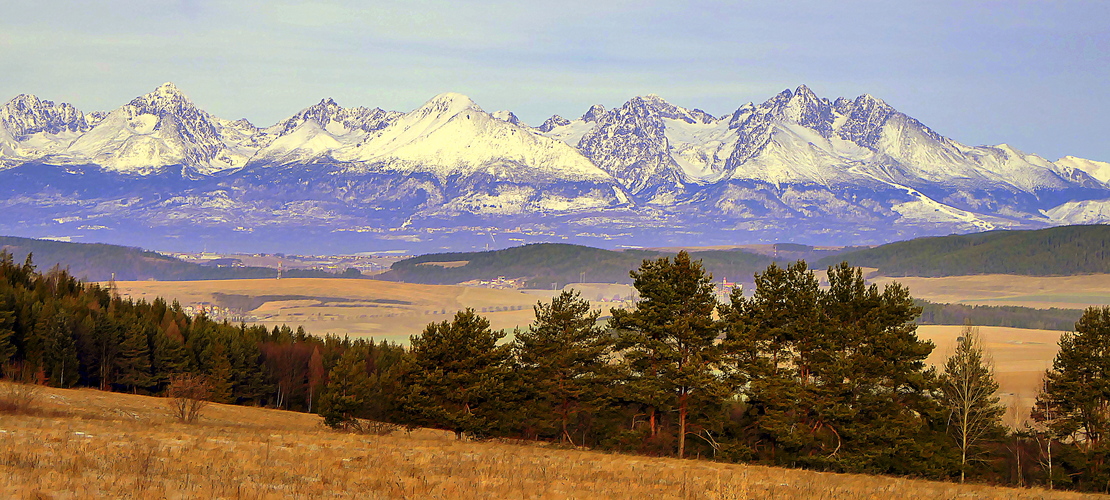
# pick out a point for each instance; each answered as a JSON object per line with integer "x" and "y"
{"x": 827, "y": 378}
{"x": 1056, "y": 251}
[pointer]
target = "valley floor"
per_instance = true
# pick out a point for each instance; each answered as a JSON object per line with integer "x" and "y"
{"x": 91, "y": 444}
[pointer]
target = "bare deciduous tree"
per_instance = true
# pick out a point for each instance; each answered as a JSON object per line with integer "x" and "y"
{"x": 969, "y": 394}
{"x": 188, "y": 394}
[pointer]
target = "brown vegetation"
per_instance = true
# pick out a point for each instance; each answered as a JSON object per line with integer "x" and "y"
{"x": 188, "y": 394}
{"x": 105, "y": 445}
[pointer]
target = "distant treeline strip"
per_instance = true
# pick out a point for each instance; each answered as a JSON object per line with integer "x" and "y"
{"x": 559, "y": 264}
{"x": 1058, "y": 251}
{"x": 1009, "y": 316}
{"x": 102, "y": 262}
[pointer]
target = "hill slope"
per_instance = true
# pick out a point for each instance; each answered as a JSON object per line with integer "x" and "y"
{"x": 99, "y": 261}
{"x": 546, "y": 263}
{"x": 1058, "y": 251}
{"x": 86, "y": 443}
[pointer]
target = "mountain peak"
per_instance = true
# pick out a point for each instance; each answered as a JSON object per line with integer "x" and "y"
{"x": 594, "y": 114}
{"x": 551, "y": 123}
{"x": 167, "y": 90}
{"x": 26, "y": 114}
{"x": 166, "y": 98}
{"x": 447, "y": 104}
{"x": 453, "y": 98}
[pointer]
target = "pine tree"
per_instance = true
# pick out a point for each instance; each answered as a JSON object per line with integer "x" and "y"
{"x": 458, "y": 372}
{"x": 7, "y": 336}
{"x": 871, "y": 373}
{"x": 1076, "y": 395}
{"x": 59, "y": 359}
{"x": 220, "y": 376}
{"x": 345, "y": 396}
{"x": 970, "y": 395}
{"x": 563, "y": 357}
{"x": 835, "y": 378}
{"x": 168, "y": 357}
{"x": 668, "y": 339}
{"x": 133, "y": 361}
{"x": 106, "y": 344}
{"x": 762, "y": 348}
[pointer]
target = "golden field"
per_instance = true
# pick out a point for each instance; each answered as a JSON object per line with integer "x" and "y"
{"x": 1069, "y": 292}
{"x": 384, "y": 310}
{"x": 90, "y": 444}
{"x": 1020, "y": 358}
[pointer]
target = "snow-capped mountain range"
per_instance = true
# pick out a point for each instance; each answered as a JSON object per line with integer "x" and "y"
{"x": 797, "y": 167}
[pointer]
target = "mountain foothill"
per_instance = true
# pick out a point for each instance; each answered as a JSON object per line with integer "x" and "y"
{"x": 824, "y": 171}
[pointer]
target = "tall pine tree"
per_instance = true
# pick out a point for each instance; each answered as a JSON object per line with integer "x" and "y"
{"x": 1075, "y": 402}
{"x": 458, "y": 374}
{"x": 668, "y": 339}
{"x": 345, "y": 397}
{"x": 564, "y": 361}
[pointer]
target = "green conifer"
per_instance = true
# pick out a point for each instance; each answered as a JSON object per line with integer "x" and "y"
{"x": 458, "y": 374}
{"x": 668, "y": 340}
{"x": 564, "y": 358}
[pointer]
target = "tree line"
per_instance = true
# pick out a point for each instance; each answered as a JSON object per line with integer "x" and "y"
{"x": 827, "y": 378}
{"x": 1056, "y": 251}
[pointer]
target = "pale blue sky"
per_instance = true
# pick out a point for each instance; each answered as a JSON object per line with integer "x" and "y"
{"x": 1034, "y": 74}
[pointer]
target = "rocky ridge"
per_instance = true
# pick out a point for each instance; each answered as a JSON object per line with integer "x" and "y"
{"x": 796, "y": 165}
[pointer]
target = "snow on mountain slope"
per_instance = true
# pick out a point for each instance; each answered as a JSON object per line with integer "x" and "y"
{"x": 318, "y": 130}
{"x": 796, "y": 162}
{"x": 569, "y": 132}
{"x": 31, "y": 127}
{"x": 508, "y": 116}
{"x": 631, "y": 143}
{"x": 1099, "y": 170}
{"x": 799, "y": 137}
{"x": 451, "y": 135}
{"x": 1081, "y": 212}
{"x": 156, "y": 130}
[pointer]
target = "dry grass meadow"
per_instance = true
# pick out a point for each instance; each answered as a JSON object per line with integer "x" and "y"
{"x": 90, "y": 444}
{"x": 384, "y": 310}
{"x": 1070, "y": 292}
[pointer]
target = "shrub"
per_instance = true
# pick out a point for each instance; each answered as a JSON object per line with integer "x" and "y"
{"x": 188, "y": 395}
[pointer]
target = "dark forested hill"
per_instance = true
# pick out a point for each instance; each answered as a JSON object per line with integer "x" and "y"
{"x": 546, "y": 263}
{"x": 98, "y": 261}
{"x": 1056, "y": 251}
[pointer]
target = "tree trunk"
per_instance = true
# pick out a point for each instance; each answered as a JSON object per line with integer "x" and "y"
{"x": 681, "y": 426}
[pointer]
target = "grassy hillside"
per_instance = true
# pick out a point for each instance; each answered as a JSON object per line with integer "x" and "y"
{"x": 547, "y": 263}
{"x": 1057, "y": 251}
{"x": 98, "y": 262}
{"x": 92, "y": 444}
